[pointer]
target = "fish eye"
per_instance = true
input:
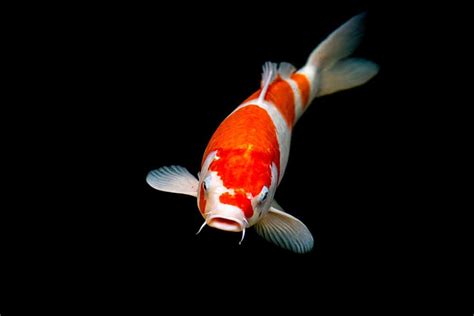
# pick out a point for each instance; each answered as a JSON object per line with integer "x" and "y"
{"x": 263, "y": 194}
{"x": 205, "y": 184}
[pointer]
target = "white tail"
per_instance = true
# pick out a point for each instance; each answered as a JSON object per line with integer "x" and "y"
{"x": 328, "y": 66}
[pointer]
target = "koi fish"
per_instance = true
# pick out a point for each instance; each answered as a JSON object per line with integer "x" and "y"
{"x": 246, "y": 157}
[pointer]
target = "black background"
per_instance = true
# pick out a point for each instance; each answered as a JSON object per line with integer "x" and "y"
{"x": 143, "y": 87}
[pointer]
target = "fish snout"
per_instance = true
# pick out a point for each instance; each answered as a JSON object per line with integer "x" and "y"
{"x": 226, "y": 223}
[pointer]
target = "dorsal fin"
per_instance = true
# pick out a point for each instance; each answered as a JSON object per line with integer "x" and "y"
{"x": 268, "y": 76}
{"x": 285, "y": 70}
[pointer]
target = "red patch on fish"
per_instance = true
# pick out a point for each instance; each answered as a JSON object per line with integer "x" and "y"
{"x": 242, "y": 169}
{"x": 246, "y": 145}
{"x": 249, "y": 129}
{"x": 281, "y": 95}
{"x": 240, "y": 200}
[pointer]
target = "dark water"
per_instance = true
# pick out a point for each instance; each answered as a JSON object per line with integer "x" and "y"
{"x": 150, "y": 93}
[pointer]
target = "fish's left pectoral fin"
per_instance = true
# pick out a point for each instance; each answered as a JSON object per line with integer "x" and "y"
{"x": 174, "y": 179}
{"x": 285, "y": 230}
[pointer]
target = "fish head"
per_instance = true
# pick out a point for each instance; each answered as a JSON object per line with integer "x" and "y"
{"x": 236, "y": 190}
{"x": 214, "y": 202}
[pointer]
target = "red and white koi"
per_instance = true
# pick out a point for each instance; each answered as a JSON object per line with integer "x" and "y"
{"x": 246, "y": 157}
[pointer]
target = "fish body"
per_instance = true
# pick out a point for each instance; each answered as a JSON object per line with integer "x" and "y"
{"x": 246, "y": 157}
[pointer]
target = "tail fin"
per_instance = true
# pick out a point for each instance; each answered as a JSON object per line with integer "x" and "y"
{"x": 328, "y": 61}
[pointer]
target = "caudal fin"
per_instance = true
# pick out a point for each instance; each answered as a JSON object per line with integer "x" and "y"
{"x": 332, "y": 69}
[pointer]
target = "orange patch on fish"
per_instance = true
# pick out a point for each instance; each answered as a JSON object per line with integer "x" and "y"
{"x": 281, "y": 95}
{"x": 246, "y": 145}
{"x": 240, "y": 200}
{"x": 243, "y": 170}
{"x": 250, "y": 127}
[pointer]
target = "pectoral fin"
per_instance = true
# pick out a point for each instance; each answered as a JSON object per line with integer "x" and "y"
{"x": 174, "y": 179}
{"x": 285, "y": 230}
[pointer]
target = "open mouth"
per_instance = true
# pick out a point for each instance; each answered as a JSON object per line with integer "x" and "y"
{"x": 225, "y": 223}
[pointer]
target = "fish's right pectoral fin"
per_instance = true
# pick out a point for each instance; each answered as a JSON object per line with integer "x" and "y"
{"x": 285, "y": 230}
{"x": 174, "y": 179}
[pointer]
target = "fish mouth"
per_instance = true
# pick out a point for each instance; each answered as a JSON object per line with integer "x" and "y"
{"x": 226, "y": 223}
